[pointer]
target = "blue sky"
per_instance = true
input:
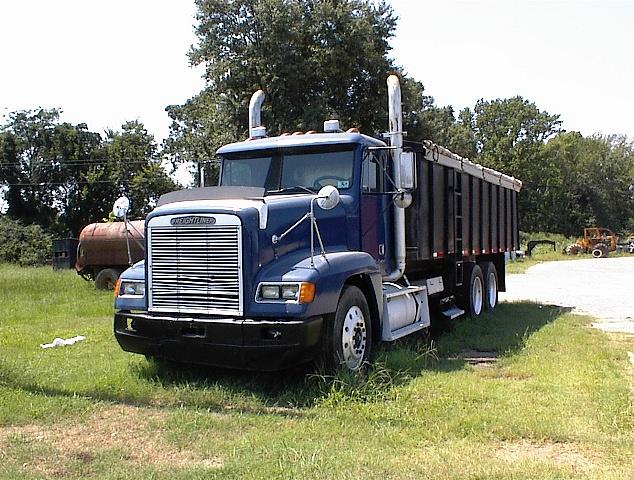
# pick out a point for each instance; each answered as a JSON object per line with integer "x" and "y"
{"x": 107, "y": 62}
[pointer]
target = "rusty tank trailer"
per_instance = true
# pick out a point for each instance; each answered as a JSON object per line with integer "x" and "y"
{"x": 102, "y": 253}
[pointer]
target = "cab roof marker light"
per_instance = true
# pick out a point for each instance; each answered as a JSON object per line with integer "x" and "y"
{"x": 332, "y": 126}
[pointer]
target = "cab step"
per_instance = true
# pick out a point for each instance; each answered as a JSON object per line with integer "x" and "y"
{"x": 452, "y": 312}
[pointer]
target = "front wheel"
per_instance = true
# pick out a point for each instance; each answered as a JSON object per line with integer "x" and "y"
{"x": 600, "y": 250}
{"x": 348, "y": 337}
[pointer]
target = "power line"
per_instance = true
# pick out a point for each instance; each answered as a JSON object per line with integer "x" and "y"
{"x": 90, "y": 163}
{"x": 81, "y": 162}
{"x": 49, "y": 184}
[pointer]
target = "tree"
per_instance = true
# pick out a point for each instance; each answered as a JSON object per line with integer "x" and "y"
{"x": 315, "y": 60}
{"x": 40, "y": 158}
{"x": 128, "y": 164}
{"x": 25, "y": 245}
{"x": 62, "y": 176}
{"x": 508, "y": 132}
{"x": 323, "y": 59}
{"x": 589, "y": 182}
{"x": 311, "y": 58}
{"x": 510, "y": 135}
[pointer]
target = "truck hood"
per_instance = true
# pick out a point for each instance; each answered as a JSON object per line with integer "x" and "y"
{"x": 273, "y": 215}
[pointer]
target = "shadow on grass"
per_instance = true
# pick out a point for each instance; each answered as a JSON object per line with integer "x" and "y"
{"x": 503, "y": 332}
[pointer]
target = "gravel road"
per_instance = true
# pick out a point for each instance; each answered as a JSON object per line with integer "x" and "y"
{"x": 602, "y": 287}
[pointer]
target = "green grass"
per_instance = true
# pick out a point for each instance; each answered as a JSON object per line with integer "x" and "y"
{"x": 556, "y": 404}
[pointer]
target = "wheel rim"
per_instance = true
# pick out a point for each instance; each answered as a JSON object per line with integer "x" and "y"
{"x": 476, "y": 296}
{"x": 493, "y": 290}
{"x": 353, "y": 338}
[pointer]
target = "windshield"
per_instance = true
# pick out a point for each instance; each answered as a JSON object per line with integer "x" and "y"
{"x": 249, "y": 172}
{"x": 282, "y": 171}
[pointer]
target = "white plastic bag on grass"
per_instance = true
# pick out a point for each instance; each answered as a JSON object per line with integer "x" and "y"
{"x": 60, "y": 342}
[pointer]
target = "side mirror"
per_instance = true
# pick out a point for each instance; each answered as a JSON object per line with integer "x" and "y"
{"x": 328, "y": 197}
{"x": 407, "y": 166}
{"x": 121, "y": 207}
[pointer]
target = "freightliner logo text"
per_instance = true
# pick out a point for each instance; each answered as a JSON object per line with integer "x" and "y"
{"x": 193, "y": 221}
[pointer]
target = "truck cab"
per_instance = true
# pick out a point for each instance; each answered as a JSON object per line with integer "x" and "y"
{"x": 230, "y": 283}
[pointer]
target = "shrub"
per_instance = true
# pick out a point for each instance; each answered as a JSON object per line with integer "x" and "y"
{"x": 23, "y": 244}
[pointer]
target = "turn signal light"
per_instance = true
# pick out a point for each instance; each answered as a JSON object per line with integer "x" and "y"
{"x": 306, "y": 292}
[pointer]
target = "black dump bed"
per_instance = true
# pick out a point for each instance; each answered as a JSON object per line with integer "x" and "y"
{"x": 459, "y": 208}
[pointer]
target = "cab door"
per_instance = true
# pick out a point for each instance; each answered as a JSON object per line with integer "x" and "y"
{"x": 376, "y": 206}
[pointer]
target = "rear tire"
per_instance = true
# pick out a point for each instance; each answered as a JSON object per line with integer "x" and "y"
{"x": 490, "y": 286}
{"x": 106, "y": 279}
{"x": 472, "y": 295}
{"x": 347, "y": 340}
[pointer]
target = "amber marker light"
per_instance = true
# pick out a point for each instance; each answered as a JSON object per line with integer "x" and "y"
{"x": 117, "y": 286}
{"x": 306, "y": 292}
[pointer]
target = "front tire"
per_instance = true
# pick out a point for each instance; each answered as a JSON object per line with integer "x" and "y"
{"x": 600, "y": 250}
{"x": 348, "y": 336}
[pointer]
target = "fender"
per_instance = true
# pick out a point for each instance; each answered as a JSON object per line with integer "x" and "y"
{"x": 329, "y": 274}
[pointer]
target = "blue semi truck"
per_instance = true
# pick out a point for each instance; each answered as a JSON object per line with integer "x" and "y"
{"x": 316, "y": 246}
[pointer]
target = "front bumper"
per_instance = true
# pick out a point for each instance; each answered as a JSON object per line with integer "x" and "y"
{"x": 251, "y": 344}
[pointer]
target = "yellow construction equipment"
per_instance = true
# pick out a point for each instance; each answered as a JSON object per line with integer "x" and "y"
{"x": 596, "y": 240}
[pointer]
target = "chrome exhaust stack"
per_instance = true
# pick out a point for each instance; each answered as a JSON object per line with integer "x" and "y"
{"x": 256, "y": 130}
{"x": 403, "y": 197}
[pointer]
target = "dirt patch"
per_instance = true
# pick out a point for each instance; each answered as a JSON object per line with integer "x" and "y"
{"x": 559, "y": 453}
{"x": 503, "y": 374}
{"x": 478, "y": 358}
{"x": 131, "y": 430}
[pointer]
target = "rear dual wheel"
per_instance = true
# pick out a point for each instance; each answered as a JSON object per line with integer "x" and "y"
{"x": 473, "y": 290}
{"x": 480, "y": 288}
{"x": 490, "y": 286}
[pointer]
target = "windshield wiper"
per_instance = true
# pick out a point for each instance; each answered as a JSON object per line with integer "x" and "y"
{"x": 293, "y": 188}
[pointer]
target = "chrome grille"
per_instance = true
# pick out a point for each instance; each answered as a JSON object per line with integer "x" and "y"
{"x": 195, "y": 269}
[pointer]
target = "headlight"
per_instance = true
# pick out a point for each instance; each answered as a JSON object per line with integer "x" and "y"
{"x": 289, "y": 292}
{"x": 132, "y": 288}
{"x": 300, "y": 292}
{"x": 270, "y": 292}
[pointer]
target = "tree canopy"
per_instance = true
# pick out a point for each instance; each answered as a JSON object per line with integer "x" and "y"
{"x": 315, "y": 60}
{"x": 62, "y": 176}
{"x": 570, "y": 181}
